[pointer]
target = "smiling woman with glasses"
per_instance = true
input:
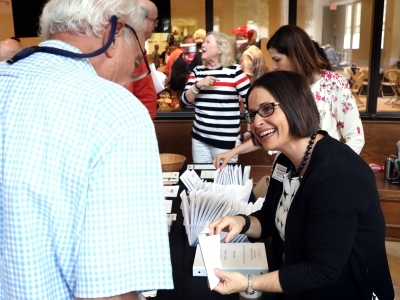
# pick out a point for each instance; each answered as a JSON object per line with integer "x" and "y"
{"x": 321, "y": 212}
{"x": 265, "y": 110}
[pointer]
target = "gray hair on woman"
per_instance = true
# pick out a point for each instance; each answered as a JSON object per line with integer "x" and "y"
{"x": 226, "y": 56}
{"x": 93, "y": 19}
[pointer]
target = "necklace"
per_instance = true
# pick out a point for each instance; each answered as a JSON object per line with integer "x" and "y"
{"x": 305, "y": 158}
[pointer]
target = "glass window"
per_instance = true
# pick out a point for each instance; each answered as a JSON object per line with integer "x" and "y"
{"x": 182, "y": 18}
{"x": 356, "y": 27}
{"x": 389, "y": 86}
{"x": 347, "y": 29}
{"x": 264, "y": 17}
{"x": 383, "y": 25}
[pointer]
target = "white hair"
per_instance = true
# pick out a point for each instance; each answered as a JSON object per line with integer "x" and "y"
{"x": 88, "y": 17}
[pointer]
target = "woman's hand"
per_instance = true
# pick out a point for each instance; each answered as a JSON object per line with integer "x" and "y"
{"x": 225, "y": 157}
{"x": 246, "y": 136}
{"x": 230, "y": 282}
{"x": 206, "y": 81}
{"x": 233, "y": 225}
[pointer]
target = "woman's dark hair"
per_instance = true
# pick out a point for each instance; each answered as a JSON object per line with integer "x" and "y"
{"x": 321, "y": 52}
{"x": 295, "y": 43}
{"x": 293, "y": 93}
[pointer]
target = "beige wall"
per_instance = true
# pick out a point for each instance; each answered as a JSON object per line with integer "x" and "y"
{"x": 6, "y": 25}
{"x": 7, "y": 31}
{"x": 391, "y": 53}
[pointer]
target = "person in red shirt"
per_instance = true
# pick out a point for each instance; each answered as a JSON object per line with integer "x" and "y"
{"x": 144, "y": 89}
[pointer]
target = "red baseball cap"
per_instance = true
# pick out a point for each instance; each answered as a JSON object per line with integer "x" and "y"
{"x": 243, "y": 31}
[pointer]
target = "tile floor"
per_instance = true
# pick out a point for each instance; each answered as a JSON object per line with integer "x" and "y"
{"x": 382, "y": 107}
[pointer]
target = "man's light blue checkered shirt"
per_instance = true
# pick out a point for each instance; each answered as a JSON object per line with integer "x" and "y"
{"x": 82, "y": 211}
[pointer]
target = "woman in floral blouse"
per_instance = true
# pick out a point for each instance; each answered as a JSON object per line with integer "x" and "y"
{"x": 292, "y": 49}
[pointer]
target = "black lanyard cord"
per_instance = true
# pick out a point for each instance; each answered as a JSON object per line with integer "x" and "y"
{"x": 56, "y": 51}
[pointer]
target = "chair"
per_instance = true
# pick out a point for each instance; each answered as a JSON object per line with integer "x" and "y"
{"x": 356, "y": 87}
{"x": 260, "y": 189}
{"x": 164, "y": 102}
{"x": 397, "y": 100}
{"x": 355, "y": 77}
{"x": 365, "y": 72}
{"x": 389, "y": 79}
{"x": 341, "y": 73}
{"x": 349, "y": 73}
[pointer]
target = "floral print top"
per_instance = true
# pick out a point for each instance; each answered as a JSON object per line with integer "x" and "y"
{"x": 339, "y": 114}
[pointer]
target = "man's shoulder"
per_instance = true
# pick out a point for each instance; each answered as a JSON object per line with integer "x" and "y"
{"x": 175, "y": 54}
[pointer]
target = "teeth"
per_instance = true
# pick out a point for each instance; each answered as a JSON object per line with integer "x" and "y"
{"x": 264, "y": 133}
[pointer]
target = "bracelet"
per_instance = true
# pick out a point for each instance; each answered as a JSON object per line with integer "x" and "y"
{"x": 246, "y": 224}
{"x": 194, "y": 92}
{"x": 250, "y": 290}
{"x": 195, "y": 84}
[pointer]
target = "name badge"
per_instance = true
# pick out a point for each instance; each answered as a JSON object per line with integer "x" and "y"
{"x": 279, "y": 171}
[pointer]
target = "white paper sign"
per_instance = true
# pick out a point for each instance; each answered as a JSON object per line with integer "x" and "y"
{"x": 210, "y": 249}
{"x": 158, "y": 79}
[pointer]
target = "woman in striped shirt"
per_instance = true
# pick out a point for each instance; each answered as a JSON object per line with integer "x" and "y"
{"x": 214, "y": 88}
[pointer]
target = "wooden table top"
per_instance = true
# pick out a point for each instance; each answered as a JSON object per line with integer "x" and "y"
{"x": 387, "y": 191}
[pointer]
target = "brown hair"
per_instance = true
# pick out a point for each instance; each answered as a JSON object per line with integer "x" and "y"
{"x": 295, "y": 43}
{"x": 293, "y": 93}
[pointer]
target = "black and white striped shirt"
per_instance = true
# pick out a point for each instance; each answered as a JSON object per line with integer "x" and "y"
{"x": 217, "y": 109}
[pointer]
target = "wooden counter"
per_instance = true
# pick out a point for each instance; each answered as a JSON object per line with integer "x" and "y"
{"x": 380, "y": 141}
{"x": 389, "y": 195}
{"x": 390, "y": 201}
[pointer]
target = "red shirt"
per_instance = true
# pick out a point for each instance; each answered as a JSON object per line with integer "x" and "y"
{"x": 172, "y": 58}
{"x": 145, "y": 91}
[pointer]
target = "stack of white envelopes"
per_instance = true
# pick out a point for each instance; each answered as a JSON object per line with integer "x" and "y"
{"x": 204, "y": 202}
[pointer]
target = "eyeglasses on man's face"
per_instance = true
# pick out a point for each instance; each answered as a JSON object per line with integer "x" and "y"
{"x": 141, "y": 75}
{"x": 265, "y": 110}
{"x": 155, "y": 21}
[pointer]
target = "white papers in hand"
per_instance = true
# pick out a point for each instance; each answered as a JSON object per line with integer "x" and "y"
{"x": 210, "y": 250}
{"x": 158, "y": 79}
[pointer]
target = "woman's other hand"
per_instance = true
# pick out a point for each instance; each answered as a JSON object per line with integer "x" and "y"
{"x": 225, "y": 157}
{"x": 230, "y": 282}
{"x": 233, "y": 225}
{"x": 206, "y": 81}
{"x": 246, "y": 136}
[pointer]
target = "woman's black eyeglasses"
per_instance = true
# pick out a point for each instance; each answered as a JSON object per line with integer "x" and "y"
{"x": 141, "y": 75}
{"x": 265, "y": 110}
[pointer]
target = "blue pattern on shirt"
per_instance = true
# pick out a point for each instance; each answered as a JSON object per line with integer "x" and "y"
{"x": 82, "y": 210}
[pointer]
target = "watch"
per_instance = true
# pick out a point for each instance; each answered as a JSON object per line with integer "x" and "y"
{"x": 250, "y": 290}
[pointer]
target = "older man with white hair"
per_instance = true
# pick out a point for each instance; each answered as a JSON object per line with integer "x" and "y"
{"x": 81, "y": 193}
{"x": 8, "y": 48}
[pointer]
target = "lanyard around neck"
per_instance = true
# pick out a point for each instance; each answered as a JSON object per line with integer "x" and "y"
{"x": 56, "y": 51}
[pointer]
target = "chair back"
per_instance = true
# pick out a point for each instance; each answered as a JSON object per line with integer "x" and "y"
{"x": 365, "y": 72}
{"x": 391, "y": 76}
{"x": 349, "y": 73}
{"x": 355, "y": 77}
{"x": 357, "y": 83}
